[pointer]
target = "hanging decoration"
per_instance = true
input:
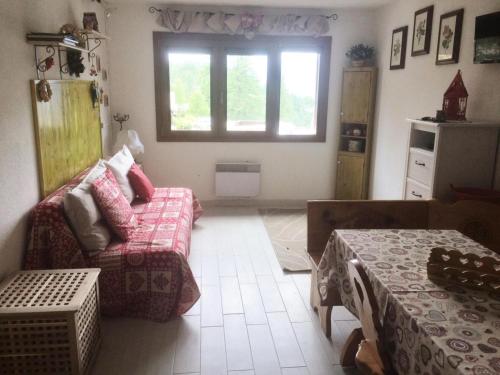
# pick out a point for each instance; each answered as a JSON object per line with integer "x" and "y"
{"x": 95, "y": 93}
{"x": 43, "y": 91}
{"x": 247, "y": 24}
{"x": 75, "y": 63}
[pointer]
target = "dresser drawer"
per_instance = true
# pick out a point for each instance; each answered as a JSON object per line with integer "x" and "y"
{"x": 416, "y": 191}
{"x": 420, "y": 166}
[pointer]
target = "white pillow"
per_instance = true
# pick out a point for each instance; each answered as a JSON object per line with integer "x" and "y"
{"x": 83, "y": 214}
{"x": 120, "y": 164}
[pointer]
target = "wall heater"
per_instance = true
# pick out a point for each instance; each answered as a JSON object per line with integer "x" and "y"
{"x": 237, "y": 180}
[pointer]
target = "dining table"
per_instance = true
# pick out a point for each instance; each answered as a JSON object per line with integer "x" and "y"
{"x": 428, "y": 328}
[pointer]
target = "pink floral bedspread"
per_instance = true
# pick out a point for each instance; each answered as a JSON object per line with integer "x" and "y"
{"x": 146, "y": 277}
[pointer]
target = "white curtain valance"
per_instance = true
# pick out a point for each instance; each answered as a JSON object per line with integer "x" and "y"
{"x": 248, "y": 24}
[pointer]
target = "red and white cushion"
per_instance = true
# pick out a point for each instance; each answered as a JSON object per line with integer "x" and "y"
{"x": 141, "y": 184}
{"x": 114, "y": 206}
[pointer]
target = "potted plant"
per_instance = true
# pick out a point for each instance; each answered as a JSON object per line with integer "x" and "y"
{"x": 361, "y": 55}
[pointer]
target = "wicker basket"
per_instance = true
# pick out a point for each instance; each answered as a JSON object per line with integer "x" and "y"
{"x": 49, "y": 322}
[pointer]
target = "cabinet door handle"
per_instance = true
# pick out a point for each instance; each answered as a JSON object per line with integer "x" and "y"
{"x": 419, "y": 163}
{"x": 416, "y": 195}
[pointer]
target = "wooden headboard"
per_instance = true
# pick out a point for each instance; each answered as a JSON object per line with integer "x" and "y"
{"x": 68, "y": 132}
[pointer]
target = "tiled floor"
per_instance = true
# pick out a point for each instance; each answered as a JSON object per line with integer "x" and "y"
{"x": 251, "y": 319}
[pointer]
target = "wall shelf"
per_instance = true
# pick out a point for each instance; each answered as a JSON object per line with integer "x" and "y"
{"x": 54, "y": 42}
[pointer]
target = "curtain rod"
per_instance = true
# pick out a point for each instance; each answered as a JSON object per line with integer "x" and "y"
{"x": 153, "y": 10}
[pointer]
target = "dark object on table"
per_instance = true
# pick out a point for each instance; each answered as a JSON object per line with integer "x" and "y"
{"x": 455, "y": 99}
{"x": 466, "y": 270}
{"x": 440, "y": 116}
{"x": 487, "y": 39}
{"x": 90, "y": 21}
{"x": 476, "y": 194}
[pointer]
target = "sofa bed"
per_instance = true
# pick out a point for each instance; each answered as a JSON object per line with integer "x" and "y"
{"x": 145, "y": 276}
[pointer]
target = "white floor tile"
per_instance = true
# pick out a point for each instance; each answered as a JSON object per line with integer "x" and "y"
{"x": 187, "y": 351}
{"x": 252, "y": 304}
{"x": 231, "y": 298}
{"x": 286, "y": 345}
{"x": 271, "y": 297}
{"x": 213, "y": 351}
{"x": 211, "y": 307}
{"x": 264, "y": 356}
{"x": 239, "y": 356}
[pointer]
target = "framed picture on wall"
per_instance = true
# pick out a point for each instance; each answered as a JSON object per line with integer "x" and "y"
{"x": 422, "y": 31}
{"x": 398, "y": 48}
{"x": 450, "y": 34}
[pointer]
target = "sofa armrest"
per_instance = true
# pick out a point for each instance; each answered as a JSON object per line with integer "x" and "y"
{"x": 325, "y": 216}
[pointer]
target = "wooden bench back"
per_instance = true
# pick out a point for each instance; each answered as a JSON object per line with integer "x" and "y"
{"x": 325, "y": 216}
{"x": 477, "y": 220}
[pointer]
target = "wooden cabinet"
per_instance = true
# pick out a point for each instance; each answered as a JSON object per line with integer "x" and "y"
{"x": 356, "y": 123}
{"x": 350, "y": 176}
{"x": 443, "y": 154}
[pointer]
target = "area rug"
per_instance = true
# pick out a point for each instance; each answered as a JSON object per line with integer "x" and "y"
{"x": 287, "y": 229}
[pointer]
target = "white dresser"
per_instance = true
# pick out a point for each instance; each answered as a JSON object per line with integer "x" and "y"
{"x": 440, "y": 154}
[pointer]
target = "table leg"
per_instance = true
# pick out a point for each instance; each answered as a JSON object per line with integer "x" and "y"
{"x": 350, "y": 348}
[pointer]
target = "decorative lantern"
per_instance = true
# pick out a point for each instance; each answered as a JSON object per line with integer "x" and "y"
{"x": 455, "y": 99}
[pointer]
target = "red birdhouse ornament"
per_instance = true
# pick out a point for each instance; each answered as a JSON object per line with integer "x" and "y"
{"x": 455, "y": 99}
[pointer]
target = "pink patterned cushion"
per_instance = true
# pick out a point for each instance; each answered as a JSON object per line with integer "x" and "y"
{"x": 140, "y": 183}
{"x": 113, "y": 205}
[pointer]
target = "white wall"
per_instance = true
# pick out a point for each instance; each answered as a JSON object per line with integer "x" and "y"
{"x": 19, "y": 190}
{"x": 289, "y": 170}
{"x": 417, "y": 90}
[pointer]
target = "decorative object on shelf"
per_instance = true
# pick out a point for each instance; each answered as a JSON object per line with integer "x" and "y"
{"x": 133, "y": 142}
{"x": 354, "y": 146}
{"x": 422, "y": 31}
{"x": 247, "y": 24}
{"x": 361, "y": 55}
{"x": 455, "y": 99}
{"x": 104, "y": 75}
{"x": 105, "y": 100}
{"x": 450, "y": 34}
{"x": 90, "y": 21}
{"x": 101, "y": 94}
{"x": 43, "y": 91}
{"x": 467, "y": 270}
{"x": 95, "y": 93}
{"x": 398, "y": 48}
{"x": 74, "y": 61}
{"x": 356, "y": 132}
{"x": 121, "y": 119}
{"x": 98, "y": 63}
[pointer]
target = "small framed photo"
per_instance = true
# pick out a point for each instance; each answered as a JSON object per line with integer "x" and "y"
{"x": 398, "y": 48}
{"x": 422, "y": 31}
{"x": 450, "y": 34}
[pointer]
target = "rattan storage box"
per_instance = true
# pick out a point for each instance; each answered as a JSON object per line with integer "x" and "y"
{"x": 49, "y": 322}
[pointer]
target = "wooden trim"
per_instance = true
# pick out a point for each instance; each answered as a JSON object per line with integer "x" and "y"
{"x": 427, "y": 43}
{"x": 459, "y": 13}
{"x": 219, "y": 45}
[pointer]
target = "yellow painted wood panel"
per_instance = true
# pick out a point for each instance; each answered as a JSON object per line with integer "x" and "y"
{"x": 356, "y": 92}
{"x": 68, "y": 132}
{"x": 350, "y": 171}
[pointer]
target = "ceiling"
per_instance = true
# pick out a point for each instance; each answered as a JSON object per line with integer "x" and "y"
{"x": 327, "y": 4}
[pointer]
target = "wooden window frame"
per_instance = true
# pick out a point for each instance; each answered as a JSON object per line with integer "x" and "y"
{"x": 219, "y": 46}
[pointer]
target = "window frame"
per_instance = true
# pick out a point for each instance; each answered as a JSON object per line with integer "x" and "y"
{"x": 219, "y": 46}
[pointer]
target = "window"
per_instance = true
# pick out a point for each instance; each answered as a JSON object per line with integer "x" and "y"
{"x": 228, "y": 88}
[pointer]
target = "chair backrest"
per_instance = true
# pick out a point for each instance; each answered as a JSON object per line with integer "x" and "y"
{"x": 368, "y": 312}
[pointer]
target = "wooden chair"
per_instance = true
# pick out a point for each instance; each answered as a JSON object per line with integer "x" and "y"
{"x": 371, "y": 359}
{"x": 478, "y": 220}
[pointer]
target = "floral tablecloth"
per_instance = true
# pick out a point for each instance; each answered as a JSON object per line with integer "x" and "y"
{"x": 429, "y": 329}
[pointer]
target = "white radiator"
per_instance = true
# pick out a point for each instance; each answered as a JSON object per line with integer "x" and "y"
{"x": 237, "y": 179}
